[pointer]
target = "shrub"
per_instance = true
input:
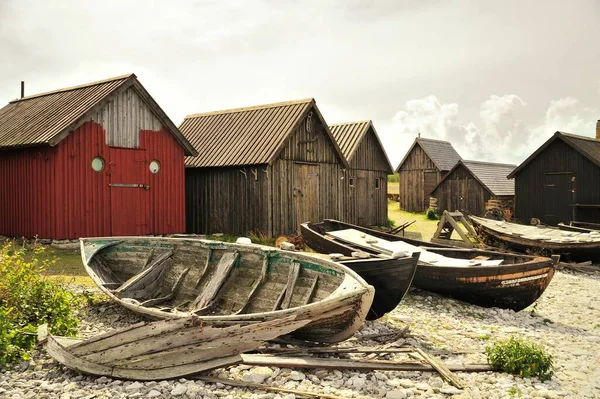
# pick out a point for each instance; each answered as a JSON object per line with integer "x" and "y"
{"x": 390, "y": 223}
{"x": 520, "y": 357}
{"x": 28, "y": 300}
{"x": 431, "y": 214}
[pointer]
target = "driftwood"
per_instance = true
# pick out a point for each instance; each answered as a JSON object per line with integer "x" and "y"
{"x": 583, "y": 267}
{"x": 337, "y": 364}
{"x": 262, "y": 387}
{"x": 164, "y": 349}
{"x": 441, "y": 368}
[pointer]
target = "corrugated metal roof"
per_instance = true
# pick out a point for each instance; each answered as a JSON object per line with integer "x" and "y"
{"x": 243, "y": 136}
{"x": 442, "y": 153}
{"x": 39, "y": 118}
{"x": 587, "y": 146}
{"x": 47, "y": 118}
{"x": 493, "y": 176}
{"x": 350, "y": 134}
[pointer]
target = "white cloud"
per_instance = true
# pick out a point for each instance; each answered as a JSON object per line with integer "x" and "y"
{"x": 500, "y": 134}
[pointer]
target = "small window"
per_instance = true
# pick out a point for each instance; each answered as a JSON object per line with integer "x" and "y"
{"x": 377, "y": 183}
{"x": 98, "y": 164}
{"x": 154, "y": 166}
{"x": 351, "y": 181}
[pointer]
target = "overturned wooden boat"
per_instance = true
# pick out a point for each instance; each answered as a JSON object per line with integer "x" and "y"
{"x": 390, "y": 275}
{"x": 228, "y": 283}
{"x": 163, "y": 349}
{"x": 484, "y": 278}
{"x": 572, "y": 245}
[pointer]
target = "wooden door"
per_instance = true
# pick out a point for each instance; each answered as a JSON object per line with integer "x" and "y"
{"x": 558, "y": 198}
{"x": 129, "y": 195}
{"x": 364, "y": 198}
{"x": 430, "y": 180}
{"x": 306, "y": 193}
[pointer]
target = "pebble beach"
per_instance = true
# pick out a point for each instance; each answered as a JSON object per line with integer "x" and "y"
{"x": 565, "y": 320}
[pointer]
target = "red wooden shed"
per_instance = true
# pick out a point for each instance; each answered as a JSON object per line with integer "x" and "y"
{"x": 98, "y": 159}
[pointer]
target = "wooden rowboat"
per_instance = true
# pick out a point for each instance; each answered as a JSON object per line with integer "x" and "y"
{"x": 163, "y": 349}
{"x": 391, "y": 276}
{"x": 484, "y": 278}
{"x": 228, "y": 283}
{"x": 573, "y": 245}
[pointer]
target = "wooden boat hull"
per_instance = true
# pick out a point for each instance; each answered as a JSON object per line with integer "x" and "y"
{"x": 574, "y": 251}
{"x": 261, "y": 284}
{"x": 391, "y": 277}
{"x": 515, "y": 284}
{"x": 164, "y": 349}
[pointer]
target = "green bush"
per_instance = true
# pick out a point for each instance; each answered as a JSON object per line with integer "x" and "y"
{"x": 28, "y": 300}
{"x": 520, "y": 357}
{"x": 390, "y": 223}
{"x": 431, "y": 214}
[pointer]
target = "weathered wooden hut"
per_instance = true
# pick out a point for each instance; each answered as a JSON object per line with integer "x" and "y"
{"x": 99, "y": 159}
{"x": 424, "y": 165}
{"x": 560, "y": 181}
{"x": 262, "y": 169}
{"x": 470, "y": 185}
{"x": 365, "y": 200}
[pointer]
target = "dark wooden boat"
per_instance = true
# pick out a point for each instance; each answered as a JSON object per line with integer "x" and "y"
{"x": 572, "y": 245}
{"x": 391, "y": 276}
{"x": 163, "y": 349}
{"x": 484, "y": 278}
{"x": 228, "y": 283}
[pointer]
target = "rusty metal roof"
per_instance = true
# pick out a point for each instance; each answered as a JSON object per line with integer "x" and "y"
{"x": 441, "y": 153}
{"x": 587, "y": 146}
{"x": 349, "y": 135}
{"x": 47, "y": 118}
{"x": 245, "y": 136}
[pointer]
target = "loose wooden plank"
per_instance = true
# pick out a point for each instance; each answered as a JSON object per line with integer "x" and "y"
{"x": 291, "y": 283}
{"x": 441, "y": 368}
{"x": 331, "y": 363}
{"x": 262, "y": 387}
{"x": 151, "y": 271}
{"x": 171, "y": 294}
{"x": 207, "y": 295}
{"x": 311, "y": 291}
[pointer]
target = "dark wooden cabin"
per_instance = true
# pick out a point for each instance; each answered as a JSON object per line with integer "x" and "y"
{"x": 424, "y": 165}
{"x": 560, "y": 181}
{"x": 263, "y": 169}
{"x": 365, "y": 200}
{"x": 469, "y": 185}
{"x": 99, "y": 159}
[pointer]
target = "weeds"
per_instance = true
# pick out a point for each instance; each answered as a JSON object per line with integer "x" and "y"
{"x": 431, "y": 214}
{"x": 28, "y": 299}
{"x": 520, "y": 357}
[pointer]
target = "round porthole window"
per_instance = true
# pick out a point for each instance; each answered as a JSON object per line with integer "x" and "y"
{"x": 154, "y": 166}
{"x": 98, "y": 164}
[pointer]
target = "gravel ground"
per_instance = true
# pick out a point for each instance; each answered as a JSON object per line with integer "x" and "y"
{"x": 566, "y": 320}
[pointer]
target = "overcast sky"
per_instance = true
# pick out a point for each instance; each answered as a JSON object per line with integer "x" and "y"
{"x": 494, "y": 78}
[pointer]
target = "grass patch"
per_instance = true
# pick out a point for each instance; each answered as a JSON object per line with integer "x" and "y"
{"x": 423, "y": 225}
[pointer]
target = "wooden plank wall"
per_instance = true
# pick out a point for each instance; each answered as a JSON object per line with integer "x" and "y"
{"x": 364, "y": 204}
{"x": 308, "y": 143}
{"x": 228, "y": 200}
{"x": 557, "y": 157}
{"x": 461, "y": 192}
{"x": 412, "y": 180}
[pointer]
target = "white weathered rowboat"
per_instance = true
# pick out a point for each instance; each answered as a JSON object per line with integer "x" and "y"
{"x": 163, "y": 349}
{"x": 228, "y": 283}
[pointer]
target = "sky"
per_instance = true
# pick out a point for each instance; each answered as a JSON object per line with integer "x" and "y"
{"x": 496, "y": 79}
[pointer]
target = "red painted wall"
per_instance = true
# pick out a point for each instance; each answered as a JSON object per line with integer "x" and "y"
{"x": 55, "y": 193}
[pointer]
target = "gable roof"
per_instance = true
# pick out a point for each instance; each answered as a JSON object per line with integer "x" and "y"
{"x": 349, "y": 135}
{"x": 493, "y": 176}
{"x": 247, "y": 136}
{"x": 587, "y": 146}
{"x": 47, "y": 118}
{"x": 442, "y": 153}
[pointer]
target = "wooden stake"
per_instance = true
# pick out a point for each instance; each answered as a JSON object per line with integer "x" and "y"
{"x": 441, "y": 368}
